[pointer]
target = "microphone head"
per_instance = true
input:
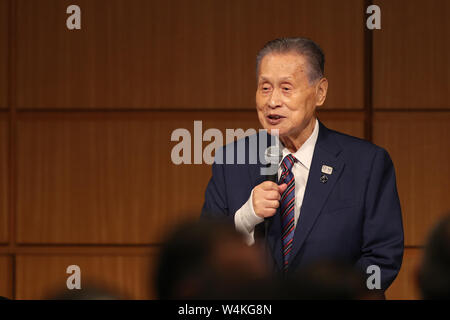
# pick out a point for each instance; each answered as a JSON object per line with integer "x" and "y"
{"x": 273, "y": 155}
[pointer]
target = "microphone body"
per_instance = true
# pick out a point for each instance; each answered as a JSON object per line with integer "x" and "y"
{"x": 273, "y": 156}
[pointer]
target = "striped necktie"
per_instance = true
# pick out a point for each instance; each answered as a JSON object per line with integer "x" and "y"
{"x": 287, "y": 204}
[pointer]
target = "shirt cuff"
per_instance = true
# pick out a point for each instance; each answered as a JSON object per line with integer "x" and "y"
{"x": 246, "y": 219}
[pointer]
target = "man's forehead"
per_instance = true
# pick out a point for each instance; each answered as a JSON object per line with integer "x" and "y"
{"x": 293, "y": 56}
{"x": 283, "y": 66}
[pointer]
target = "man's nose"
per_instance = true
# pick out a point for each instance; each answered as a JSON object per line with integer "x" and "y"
{"x": 275, "y": 99}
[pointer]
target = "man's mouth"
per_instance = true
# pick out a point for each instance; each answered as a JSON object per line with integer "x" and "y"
{"x": 274, "y": 118}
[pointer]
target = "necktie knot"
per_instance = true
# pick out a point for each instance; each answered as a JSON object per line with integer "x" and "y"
{"x": 288, "y": 162}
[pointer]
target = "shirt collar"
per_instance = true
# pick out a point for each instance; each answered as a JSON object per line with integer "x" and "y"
{"x": 305, "y": 153}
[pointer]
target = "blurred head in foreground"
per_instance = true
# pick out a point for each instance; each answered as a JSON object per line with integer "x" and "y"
{"x": 209, "y": 260}
{"x": 434, "y": 271}
{"x": 328, "y": 280}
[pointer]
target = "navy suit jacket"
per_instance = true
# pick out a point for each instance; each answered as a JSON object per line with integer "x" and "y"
{"x": 355, "y": 215}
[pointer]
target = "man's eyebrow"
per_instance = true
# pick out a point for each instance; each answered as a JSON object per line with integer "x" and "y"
{"x": 288, "y": 78}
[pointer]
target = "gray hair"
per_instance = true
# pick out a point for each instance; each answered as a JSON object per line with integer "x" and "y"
{"x": 302, "y": 46}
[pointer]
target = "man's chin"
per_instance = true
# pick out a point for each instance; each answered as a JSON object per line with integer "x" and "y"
{"x": 274, "y": 131}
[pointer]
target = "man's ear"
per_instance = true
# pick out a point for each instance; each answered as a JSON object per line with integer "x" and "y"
{"x": 321, "y": 91}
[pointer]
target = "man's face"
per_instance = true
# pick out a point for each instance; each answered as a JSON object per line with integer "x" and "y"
{"x": 285, "y": 100}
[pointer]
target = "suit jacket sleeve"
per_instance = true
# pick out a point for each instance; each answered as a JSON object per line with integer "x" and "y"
{"x": 382, "y": 243}
{"x": 215, "y": 205}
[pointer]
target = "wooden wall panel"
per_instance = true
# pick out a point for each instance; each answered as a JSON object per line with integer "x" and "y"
{"x": 91, "y": 178}
{"x": 6, "y": 283}
{"x": 419, "y": 144}
{"x": 196, "y": 54}
{"x": 405, "y": 285}
{"x": 411, "y": 64}
{"x": 108, "y": 178}
{"x": 4, "y": 176}
{"x": 127, "y": 276}
{"x": 351, "y": 123}
{"x": 4, "y": 29}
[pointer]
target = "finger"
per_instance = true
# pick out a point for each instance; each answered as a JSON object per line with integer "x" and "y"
{"x": 282, "y": 187}
{"x": 272, "y": 195}
{"x": 268, "y": 212}
{"x": 269, "y": 185}
{"x": 273, "y": 204}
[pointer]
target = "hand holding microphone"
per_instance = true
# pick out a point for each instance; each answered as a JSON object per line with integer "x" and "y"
{"x": 266, "y": 198}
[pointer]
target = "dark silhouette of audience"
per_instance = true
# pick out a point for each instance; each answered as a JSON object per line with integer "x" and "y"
{"x": 328, "y": 280}
{"x": 434, "y": 271}
{"x": 209, "y": 260}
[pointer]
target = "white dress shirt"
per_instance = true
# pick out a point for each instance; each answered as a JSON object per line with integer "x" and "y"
{"x": 246, "y": 219}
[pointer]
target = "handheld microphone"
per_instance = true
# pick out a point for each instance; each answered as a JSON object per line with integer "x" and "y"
{"x": 273, "y": 156}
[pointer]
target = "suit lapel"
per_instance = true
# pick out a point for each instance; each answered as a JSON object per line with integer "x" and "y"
{"x": 326, "y": 152}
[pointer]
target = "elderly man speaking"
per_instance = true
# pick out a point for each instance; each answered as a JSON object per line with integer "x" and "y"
{"x": 334, "y": 197}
